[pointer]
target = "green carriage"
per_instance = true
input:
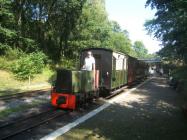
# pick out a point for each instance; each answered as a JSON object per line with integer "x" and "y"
{"x": 111, "y": 65}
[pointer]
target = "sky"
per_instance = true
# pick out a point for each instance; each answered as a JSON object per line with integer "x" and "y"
{"x": 131, "y": 15}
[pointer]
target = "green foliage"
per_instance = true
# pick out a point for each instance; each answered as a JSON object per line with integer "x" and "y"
{"x": 13, "y": 54}
{"x": 4, "y": 63}
{"x": 11, "y": 34}
{"x": 7, "y": 33}
{"x": 69, "y": 63}
{"x": 28, "y": 65}
{"x": 169, "y": 25}
{"x": 93, "y": 27}
{"x": 95, "y": 30}
{"x": 140, "y": 50}
{"x": 153, "y": 55}
{"x": 10, "y": 56}
{"x": 119, "y": 42}
{"x": 59, "y": 28}
{"x": 66, "y": 13}
{"x": 180, "y": 74}
{"x": 119, "y": 39}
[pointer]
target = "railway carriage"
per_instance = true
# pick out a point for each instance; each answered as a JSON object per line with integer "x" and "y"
{"x": 137, "y": 70}
{"x": 143, "y": 70}
{"x": 132, "y": 70}
{"x": 113, "y": 71}
{"x": 112, "y": 67}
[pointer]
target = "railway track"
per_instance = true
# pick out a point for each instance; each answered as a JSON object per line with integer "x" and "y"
{"x": 24, "y": 94}
{"x": 17, "y": 127}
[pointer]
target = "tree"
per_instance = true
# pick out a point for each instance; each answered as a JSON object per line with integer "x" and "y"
{"x": 59, "y": 28}
{"x": 67, "y": 14}
{"x": 93, "y": 28}
{"x": 140, "y": 50}
{"x": 7, "y": 32}
{"x": 10, "y": 32}
{"x": 169, "y": 25}
{"x": 119, "y": 39}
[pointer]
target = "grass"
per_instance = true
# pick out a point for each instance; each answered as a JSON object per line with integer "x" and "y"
{"x": 8, "y": 84}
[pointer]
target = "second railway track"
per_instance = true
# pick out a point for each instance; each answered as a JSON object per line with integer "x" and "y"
{"x": 11, "y": 129}
{"x": 24, "y": 94}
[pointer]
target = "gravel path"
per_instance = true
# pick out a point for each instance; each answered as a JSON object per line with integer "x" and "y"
{"x": 152, "y": 112}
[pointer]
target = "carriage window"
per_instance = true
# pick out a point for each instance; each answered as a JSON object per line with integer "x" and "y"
{"x": 119, "y": 64}
{"x": 125, "y": 64}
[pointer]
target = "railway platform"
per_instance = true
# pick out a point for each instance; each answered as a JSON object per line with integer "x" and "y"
{"x": 150, "y": 112}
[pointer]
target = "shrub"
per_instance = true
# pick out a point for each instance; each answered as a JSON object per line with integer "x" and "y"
{"x": 180, "y": 75}
{"x": 68, "y": 63}
{"x": 9, "y": 57}
{"x": 13, "y": 53}
{"x": 28, "y": 65}
{"x": 4, "y": 63}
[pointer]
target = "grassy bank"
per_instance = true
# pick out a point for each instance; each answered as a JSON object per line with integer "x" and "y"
{"x": 8, "y": 84}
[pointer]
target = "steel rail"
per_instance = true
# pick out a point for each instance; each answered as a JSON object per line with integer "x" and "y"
{"x": 23, "y": 94}
{"x": 17, "y": 127}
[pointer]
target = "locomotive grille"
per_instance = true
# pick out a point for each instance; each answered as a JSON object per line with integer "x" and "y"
{"x": 61, "y": 100}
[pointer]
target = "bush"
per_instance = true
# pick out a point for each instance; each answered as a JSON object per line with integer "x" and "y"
{"x": 4, "y": 63}
{"x": 67, "y": 63}
{"x": 28, "y": 65}
{"x": 180, "y": 75}
{"x": 180, "y": 72}
{"x": 9, "y": 57}
{"x": 12, "y": 54}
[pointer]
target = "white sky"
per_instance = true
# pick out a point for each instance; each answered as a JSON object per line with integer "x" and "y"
{"x": 131, "y": 15}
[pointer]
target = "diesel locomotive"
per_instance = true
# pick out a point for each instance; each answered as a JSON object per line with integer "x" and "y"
{"x": 113, "y": 71}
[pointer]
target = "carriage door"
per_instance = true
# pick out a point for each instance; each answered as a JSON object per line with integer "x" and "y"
{"x": 98, "y": 65}
{"x": 97, "y": 62}
{"x": 125, "y": 70}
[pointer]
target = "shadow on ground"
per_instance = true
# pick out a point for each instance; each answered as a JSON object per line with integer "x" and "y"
{"x": 153, "y": 112}
{"x": 8, "y": 91}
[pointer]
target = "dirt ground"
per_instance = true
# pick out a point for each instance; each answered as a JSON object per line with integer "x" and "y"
{"x": 152, "y": 112}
